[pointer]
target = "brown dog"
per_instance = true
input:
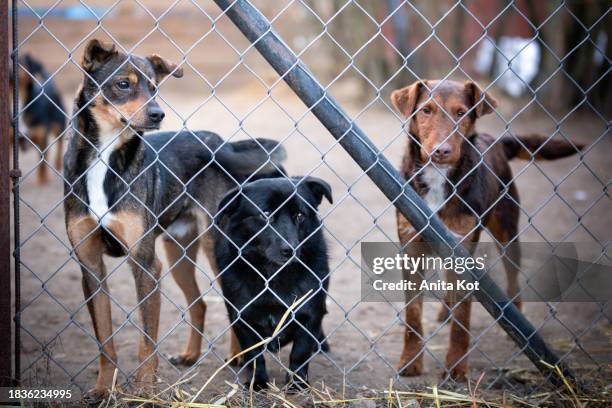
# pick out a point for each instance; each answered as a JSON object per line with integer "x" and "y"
{"x": 461, "y": 174}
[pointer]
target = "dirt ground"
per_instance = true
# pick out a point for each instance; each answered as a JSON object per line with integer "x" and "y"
{"x": 562, "y": 200}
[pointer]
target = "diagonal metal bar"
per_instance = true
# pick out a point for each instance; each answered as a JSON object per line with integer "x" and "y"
{"x": 258, "y": 30}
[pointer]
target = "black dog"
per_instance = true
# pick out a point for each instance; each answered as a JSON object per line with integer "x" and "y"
{"x": 271, "y": 254}
{"x": 44, "y": 116}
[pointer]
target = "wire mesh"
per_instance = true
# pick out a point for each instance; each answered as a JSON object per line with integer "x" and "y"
{"x": 360, "y": 51}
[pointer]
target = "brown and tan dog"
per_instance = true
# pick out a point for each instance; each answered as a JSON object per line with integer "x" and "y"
{"x": 124, "y": 189}
{"x": 461, "y": 175}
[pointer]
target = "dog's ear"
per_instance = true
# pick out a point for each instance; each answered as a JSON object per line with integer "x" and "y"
{"x": 483, "y": 102}
{"x": 96, "y": 54}
{"x": 163, "y": 68}
{"x": 405, "y": 99}
{"x": 33, "y": 66}
{"x": 229, "y": 203}
{"x": 319, "y": 189}
{"x": 27, "y": 60}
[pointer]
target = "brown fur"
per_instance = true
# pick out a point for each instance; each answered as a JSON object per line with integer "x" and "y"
{"x": 86, "y": 239}
{"x": 113, "y": 114}
{"x": 129, "y": 228}
{"x": 182, "y": 265}
{"x": 208, "y": 246}
{"x": 442, "y": 116}
{"x": 105, "y": 113}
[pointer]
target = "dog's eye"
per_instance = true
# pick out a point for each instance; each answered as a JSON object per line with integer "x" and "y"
{"x": 426, "y": 110}
{"x": 264, "y": 215}
{"x": 460, "y": 113}
{"x": 299, "y": 217}
{"x": 123, "y": 85}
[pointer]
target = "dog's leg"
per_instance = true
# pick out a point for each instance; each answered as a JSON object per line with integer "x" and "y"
{"x": 146, "y": 274}
{"x": 254, "y": 361}
{"x": 182, "y": 258}
{"x": 208, "y": 246}
{"x": 59, "y": 146}
{"x": 88, "y": 247}
{"x": 444, "y": 312}
{"x": 411, "y": 359}
{"x": 128, "y": 228}
{"x": 38, "y": 136}
{"x": 304, "y": 344}
{"x": 460, "y": 303}
{"x": 503, "y": 224}
{"x": 512, "y": 263}
{"x": 457, "y": 358}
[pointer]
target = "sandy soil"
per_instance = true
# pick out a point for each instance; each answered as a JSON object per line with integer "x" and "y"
{"x": 562, "y": 200}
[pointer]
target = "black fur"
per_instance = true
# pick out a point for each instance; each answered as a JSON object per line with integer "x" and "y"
{"x": 157, "y": 170}
{"x": 44, "y": 106}
{"x": 289, "y": 252}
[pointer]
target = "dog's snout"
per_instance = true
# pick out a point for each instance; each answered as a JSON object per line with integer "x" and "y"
{"x": 442, "y": 152}
{"x": 156, "y": 114}
{"x": 286, "y": 251}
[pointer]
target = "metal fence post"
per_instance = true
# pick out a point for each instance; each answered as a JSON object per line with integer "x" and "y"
{"x": 6, "y": 376}
{"x": 258, "y": 30}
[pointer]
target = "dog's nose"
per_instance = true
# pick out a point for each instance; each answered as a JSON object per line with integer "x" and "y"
{"x": 442, "y": 152}
{"x": 156, "y": 115}
{"x": 286, "y": 251}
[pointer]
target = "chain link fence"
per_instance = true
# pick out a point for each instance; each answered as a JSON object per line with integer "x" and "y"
{"x": 546, "y": 63}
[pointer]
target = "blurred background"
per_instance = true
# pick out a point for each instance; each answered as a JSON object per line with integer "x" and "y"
{"x": 555, "y": 51}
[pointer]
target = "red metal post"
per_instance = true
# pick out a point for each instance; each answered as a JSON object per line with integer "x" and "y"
{"x": 6, "y": 354}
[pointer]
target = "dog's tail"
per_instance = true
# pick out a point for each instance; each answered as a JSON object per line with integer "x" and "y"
{"x": 246, "y": 157}
{"x": 538, "y": 147}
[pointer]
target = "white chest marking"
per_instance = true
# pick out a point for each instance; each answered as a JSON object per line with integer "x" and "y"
{"x": 98, "y": 201}
{"x": 435, "y": 178}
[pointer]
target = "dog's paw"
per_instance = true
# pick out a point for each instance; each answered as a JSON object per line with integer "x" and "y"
{"x": 257, "y": 385}
{"x": 95, "y": 396}
{"x": 183, "y": 359}
{"x": 410, "y": 370}
{"x": 296, "y": 384}
{"x": 458, "y": 374}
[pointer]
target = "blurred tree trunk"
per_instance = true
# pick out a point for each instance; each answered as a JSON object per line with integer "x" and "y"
{"x": 501, "y": 29}
{"x": 552, "y": 94}
{"x": 377, "y": 61}
{"x": 604, "y": 96}
{"x": 580, "y": 64}
{"x": 401, "y": 37}
{"x": 459, "y": 30}
{"x": 376, "y": 65}
{"x": 566, "y": 35}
